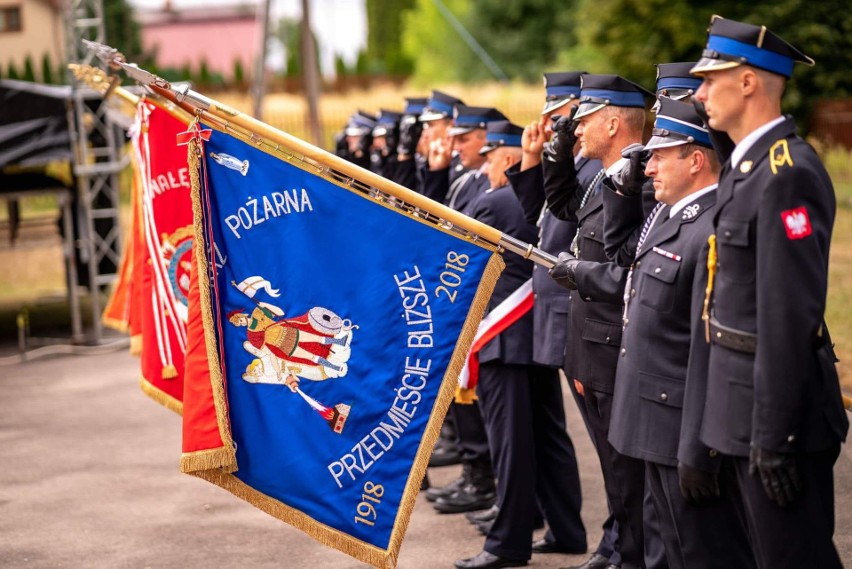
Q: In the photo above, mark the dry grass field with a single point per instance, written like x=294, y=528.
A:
x=33, y=271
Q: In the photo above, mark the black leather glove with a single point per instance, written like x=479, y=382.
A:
x=410, y=130
x=778, y=473
x=629, y=180
x=560, y=148
x=364, y=145
x=697, y=485
x=563, y=271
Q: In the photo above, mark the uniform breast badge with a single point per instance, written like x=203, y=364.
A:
x=745, y=166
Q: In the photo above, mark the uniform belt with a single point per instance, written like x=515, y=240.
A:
x=732, y=339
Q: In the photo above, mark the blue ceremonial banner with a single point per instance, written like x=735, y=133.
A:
x=337, y=320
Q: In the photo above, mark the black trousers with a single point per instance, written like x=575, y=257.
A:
x=799, y=534
x=711, y=535
x=532, y=457
x=624, y=480
x=472, y=439
x=608, y=545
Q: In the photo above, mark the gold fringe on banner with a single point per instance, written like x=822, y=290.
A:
x=220, y=476
x=228, y=451
x=160, y=396
x=210, y=459
x=136, y=345
x=115, y=324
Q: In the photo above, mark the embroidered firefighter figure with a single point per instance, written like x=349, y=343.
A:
x=314, y=346
x=691, y=211
x=177, y=256
x=796, y=222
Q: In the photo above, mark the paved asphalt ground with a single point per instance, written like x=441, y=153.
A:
x=89, y=478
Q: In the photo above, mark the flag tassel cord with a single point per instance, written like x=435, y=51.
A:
x=184, y=96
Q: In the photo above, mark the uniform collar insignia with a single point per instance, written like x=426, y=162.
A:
x=745, y=166
x=691, y=211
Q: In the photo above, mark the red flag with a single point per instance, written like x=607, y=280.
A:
x=167, y=221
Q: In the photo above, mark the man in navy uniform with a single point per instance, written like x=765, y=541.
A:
x=773, y=398
x=468, y=135
x=475, y=490
x=521, y=402
x=385, y=141
x=550, y=311
x=656, y=409
x=410, y=154
x=437, y=118
x=611, y=116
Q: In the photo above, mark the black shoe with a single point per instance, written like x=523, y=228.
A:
x=596, y=561
x=434, y=493
x=467, y=499
x=484, y=527
x=544, y=546
x=485, y=560
x=482, y=515
x=444, y=454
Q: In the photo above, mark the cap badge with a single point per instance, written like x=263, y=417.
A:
x=779, y=155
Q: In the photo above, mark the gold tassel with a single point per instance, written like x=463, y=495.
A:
x=170, y=372
x=466, y=396
x=136, y=345
x=708, y=292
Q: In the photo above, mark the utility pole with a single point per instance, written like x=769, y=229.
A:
x=258, y=82
x=310, y=72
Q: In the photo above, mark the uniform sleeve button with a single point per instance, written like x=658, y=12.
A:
x=657, y=270
x=664, y=396
x=591, y=233
x=727, y=234
x=607, y=339
x=638, y=264
x=623, y=351
x=633, y=292
x=791, y=438
x=713, y=452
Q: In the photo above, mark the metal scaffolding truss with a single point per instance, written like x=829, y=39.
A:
x=97, y=161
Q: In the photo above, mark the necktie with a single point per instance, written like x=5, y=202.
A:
x=643, y=234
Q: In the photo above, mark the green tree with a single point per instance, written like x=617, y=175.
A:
x=439, y=53
x=340, y=67
x=123, y=31
x=630, y=36
x=47, y=70
x=384, y=37
x=239, y=73
x=29, y=69
x=12, y=73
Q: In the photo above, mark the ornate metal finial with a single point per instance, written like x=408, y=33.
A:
x=144, y=77
x=108, y=55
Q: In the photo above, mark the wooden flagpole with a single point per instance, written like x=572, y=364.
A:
x=264, y=132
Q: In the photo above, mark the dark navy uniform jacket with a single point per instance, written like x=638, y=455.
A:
x=773, y=225
x=501, y=209
x=594, y=332
x=550, y=312
x=651, y=419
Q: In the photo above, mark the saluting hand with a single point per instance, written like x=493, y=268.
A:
x=439, y=154
x=532, y=143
